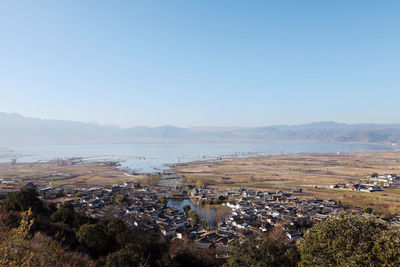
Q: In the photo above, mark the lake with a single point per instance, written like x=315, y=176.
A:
x=154, y=157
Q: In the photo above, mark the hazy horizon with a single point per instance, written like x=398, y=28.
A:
x=196, y=126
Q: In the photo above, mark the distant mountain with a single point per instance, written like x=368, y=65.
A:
x=19, y=130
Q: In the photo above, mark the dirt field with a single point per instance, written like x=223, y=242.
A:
x=44, y=173
x=305, y=171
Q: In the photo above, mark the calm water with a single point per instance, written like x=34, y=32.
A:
x=206, y=214
x=152, y=157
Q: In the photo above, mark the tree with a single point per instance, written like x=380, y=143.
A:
x=95, y=238
x=143, y=251
x=18, y=249
x=368, y=210
x=375, y=174
x=256, y=253
x=194, y=258
x=122, y=200
x=8, y=221
x=163, y=200
x=116, y=226
x=64, y=213
x=194, y=216
x=126, y=256
x=199, y=183
x=344, y=240
x=386, y=250
x=186, y=208
x=25, y=199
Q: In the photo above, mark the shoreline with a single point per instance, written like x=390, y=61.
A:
x=187, y=155
x=313, y=172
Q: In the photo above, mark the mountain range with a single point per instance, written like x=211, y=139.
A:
x=16, y=129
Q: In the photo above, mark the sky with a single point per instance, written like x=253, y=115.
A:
x=201, y=63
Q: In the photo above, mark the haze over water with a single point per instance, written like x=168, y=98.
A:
x=153, y=157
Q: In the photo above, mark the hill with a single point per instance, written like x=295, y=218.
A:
x=19, y=130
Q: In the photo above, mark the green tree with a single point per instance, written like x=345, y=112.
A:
x=256, y=253
x=193, y=257
x=368, y=210
x=126, y=256
x=345, y=240
x=25, y=199
x=143, y=251
x=386, y=250
x=122, y=200
x=186, y=208
x=194, y=216
x=95, y=238
x=19, y=249
x=64, y=213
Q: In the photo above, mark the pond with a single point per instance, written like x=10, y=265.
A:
x=206, y=214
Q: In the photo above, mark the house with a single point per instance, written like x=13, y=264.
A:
x=297, y=190
x=294, y=235
x=168, y=231
x=203, y=244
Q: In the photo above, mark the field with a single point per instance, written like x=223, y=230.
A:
x=46, y=173
x=312, y=172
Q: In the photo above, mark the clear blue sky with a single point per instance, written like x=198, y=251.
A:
x=201, y=63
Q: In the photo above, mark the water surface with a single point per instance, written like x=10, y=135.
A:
x=153, y=157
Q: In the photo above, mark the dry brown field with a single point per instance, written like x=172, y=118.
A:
x=283, y=172
x=308, y=171
x=46, y=173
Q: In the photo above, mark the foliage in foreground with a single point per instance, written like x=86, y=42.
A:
x=18, y=248
x=350, y=241
x=273, y=250
x=25, y=199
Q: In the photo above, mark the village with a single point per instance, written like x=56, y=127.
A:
x=251, y=212
x=371, y=184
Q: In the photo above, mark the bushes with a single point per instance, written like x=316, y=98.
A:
x=257, y=252
x=194, y=257
x=140, y=251
x=350, y=241
x=25, y=199
x=338, y=241
x=20, y=249
x=386, y=249
x=64, y=213
x=95, y=238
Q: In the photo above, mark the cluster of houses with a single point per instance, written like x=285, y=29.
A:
x=357, y=187
x=147, y=209
x=387, y=180
x=371, y=184
x=252, y=213
x=203, y=194
x=259, y=212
